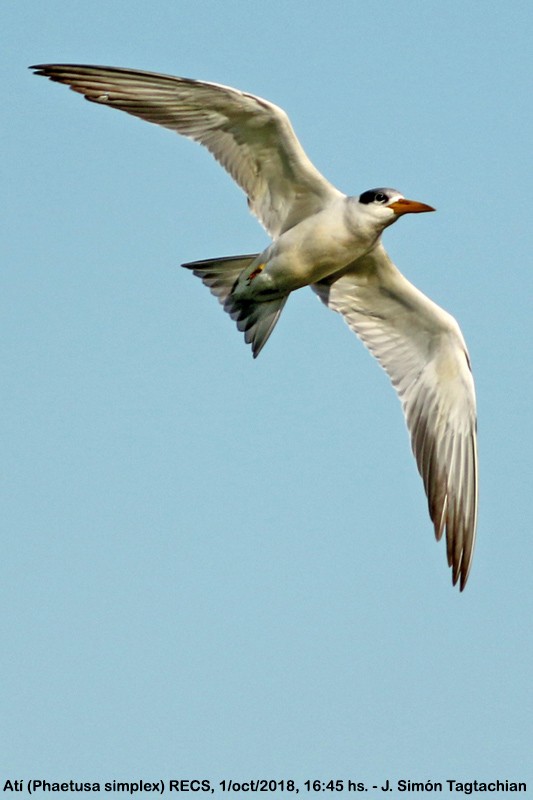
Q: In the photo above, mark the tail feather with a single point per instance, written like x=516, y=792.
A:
x=220, y=274
x=255, y=319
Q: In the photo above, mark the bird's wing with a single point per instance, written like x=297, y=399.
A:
x=423, y=351
x=252, y=138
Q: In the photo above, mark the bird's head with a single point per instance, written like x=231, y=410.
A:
x=385, y=206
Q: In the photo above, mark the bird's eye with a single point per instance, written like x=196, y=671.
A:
x=373, y=196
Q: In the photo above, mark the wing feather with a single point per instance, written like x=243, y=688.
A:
x=251, y=138
x=423, y=351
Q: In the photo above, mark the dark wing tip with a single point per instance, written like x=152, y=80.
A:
x=45, y=70
x=48, y=70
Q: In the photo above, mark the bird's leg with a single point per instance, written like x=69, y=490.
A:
x=255, y=272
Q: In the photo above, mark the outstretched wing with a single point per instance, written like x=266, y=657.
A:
x=423, y=351
x=252, y=138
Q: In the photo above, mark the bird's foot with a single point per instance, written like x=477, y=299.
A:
x=255, y=272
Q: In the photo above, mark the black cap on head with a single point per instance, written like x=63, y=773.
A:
x=374, y=196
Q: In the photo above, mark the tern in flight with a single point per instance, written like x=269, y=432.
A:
x=331, y=242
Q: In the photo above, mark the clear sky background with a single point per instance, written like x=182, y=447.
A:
x=216, y=567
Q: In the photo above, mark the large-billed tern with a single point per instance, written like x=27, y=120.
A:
x=331, y=242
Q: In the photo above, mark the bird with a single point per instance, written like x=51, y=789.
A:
x=330, y=241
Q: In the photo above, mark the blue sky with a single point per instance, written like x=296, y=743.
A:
x=223, y=568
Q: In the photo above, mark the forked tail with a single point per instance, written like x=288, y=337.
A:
x=255, y=319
